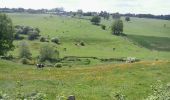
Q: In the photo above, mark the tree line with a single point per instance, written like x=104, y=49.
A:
x=80, y=12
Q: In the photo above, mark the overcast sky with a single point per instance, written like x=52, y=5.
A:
x=122, y=6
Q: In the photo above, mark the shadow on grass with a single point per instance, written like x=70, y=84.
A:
x=151, y=42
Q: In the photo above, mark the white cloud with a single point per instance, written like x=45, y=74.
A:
x=122, y=6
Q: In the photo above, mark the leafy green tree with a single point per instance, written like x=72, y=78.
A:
x=24, y=51
x=96, y=20
x=47, y=52
x=117, y=27
x=127, y=19
x=116, y=15
x=6, y=34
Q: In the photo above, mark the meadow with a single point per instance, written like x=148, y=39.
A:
x=147, y=40
x=100, y=43
x=94, y=83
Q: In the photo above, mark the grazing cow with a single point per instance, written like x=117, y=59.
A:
x=40, y=66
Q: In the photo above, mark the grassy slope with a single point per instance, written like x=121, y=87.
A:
x=99, y=43
x=96, y=83
x=91, y=83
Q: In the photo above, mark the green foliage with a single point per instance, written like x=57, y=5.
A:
x=127, y=19
x=24, y=51
x=160, y=92
x=3, y=96
x=6, y=34
x=24, y=61
x=117, y=27
x=18, y=37
x=118, y=96
x=96, y=20
x=42, y=39
x=116, y=16
x=33, y=35
x=47, y=52
x=19, y=95
x=58, y=65
x=55, y=40
x=103, y=27
x=82, y=43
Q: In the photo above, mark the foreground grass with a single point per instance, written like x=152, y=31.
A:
x=91, y=83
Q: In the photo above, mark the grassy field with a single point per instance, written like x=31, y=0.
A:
x=146, y=39
x=95, y=83
x=100, y=43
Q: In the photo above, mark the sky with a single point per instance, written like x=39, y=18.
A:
x=156, y=7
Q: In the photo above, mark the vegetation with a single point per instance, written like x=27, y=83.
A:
x=91, y=83
x=96, y=20
x=92, y=64
x=127, y=19
x=24, y=51
x=103, y=27
x=55, y=40
x=47, y=52
x=117, y=27
x=6, y=34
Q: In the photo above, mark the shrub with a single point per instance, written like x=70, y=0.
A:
x=38, y=30
x=42, y=39
x=18, y=37
x=55, y=40
x=103, y=27
x=26, y=30
x=24, y=61
x=47, y=52
x=3, y=96
x=127, y=19
x=96, y=20
x=33, y=35
x=24, y=51
x=58, y=65
x=82, y=43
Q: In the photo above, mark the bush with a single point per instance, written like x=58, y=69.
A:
x=127, y=19
x=103, y=27
x=58, y=65
x=18, y=37
x=96, y=20
x=24, y=61
x=26, y=30
x=33, y=35
x=47, y=52
x=24, y=51
x=55, y=40
x=42, y=39
x=82, y=43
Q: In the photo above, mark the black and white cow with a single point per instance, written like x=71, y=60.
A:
x=40, y=65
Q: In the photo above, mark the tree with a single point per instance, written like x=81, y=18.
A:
x=24, y=51
x=79, y=12
x=47, y=52
x=96, y=20
x=116, y=15
x=6, y=34
x=32, y=35
x=117, y=27
x=127, y=19
x=104, y=14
